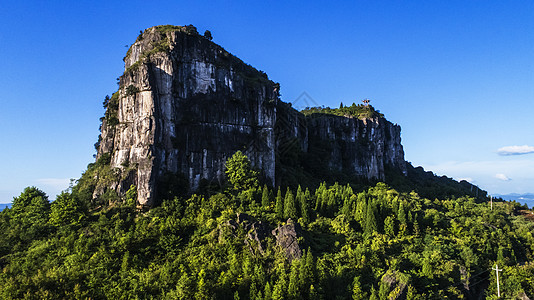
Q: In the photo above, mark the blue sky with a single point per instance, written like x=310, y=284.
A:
x=458, y=76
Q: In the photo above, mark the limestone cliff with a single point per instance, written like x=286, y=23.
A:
x=185, y=105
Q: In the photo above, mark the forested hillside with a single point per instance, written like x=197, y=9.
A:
x=248, y=241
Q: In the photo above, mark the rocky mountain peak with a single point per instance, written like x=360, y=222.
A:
x=185, y=105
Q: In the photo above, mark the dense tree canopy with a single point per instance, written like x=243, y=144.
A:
x=372, y=243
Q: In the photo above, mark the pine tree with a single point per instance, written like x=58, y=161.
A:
x=290, y=209
x=298, y=200
x=265, y=200
x=306, y=270
x=389, y=226
x=370, y=219
x=401, y=215
x=347, y=206
x=331, y=205
x=304, y=210
x=310, y=265
x=303, y=276
x=361, y=209
x=293, y=288
x=411, y=293
x=67, y=210
x=319, y=196
x=324, y=203
x=279, y=206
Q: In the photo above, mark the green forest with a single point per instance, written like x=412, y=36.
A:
x=250, y=241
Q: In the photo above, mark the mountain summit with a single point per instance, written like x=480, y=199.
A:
x=185, y=105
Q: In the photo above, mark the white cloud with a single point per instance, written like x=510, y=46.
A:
x=515, y=150
x=502, y=177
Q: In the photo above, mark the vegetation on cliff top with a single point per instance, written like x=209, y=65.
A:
x=354, y=111
x=374, y=243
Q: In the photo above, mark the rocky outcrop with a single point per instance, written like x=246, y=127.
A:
x=256, y=232
x=185, y=105
x=287, y=238
x=396, y=283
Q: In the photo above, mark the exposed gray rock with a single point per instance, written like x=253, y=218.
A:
x=287, y=238
x=185, y=105
x=396, y=283
x=256, y=232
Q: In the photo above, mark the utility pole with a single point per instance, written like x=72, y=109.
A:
x=491, y=202
x=497, y=271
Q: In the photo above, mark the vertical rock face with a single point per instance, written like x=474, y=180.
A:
x=185, y=105
x=358, y=147
x=341, y=144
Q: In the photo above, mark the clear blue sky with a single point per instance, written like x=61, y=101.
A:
x=458, y=76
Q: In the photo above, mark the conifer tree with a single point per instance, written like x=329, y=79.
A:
x=299, y=194
x=319, y=196
x=279, y=206
x=389, y=226
x=361, y=209
x=401, y=215
x=304, y=210
x=290, y=209
x=202, y=290
x=280, y=288
x=293, y=288
x=265, y=200
x=347, y=207
x=31, y=211
x=306, y=270
x=331, y=205
x=370, y=219
x=324, y=201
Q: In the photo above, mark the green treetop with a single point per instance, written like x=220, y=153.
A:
x=240, y=173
